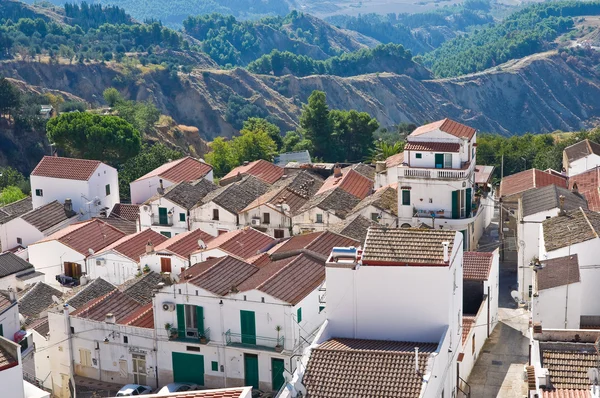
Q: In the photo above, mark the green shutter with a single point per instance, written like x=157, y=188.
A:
x=405, y=197
x=248, y=327
x=455, y=206
x=181, y=216
x=277, y=368
x=439, y=160
x=251, y=370
x=299, y=314
x=181, y=320
x=468, y=204
x=214, y=366
x=188, y=368
x=163, y=217
x=200, y=320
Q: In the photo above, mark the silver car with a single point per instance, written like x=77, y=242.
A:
x=131, y=390
x=177, y=387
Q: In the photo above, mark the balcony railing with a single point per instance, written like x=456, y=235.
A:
x=156, y=220
x=443, y=174
x=256, y=342
x=191, y=336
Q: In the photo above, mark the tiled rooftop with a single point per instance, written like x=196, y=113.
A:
x=116, y=302
x=184, y=169
x=483, y=174
x=141, y=318
x=123, y=225
x=576, y=226
x=10, y=264
x=140, y=288
x=6, y=358
x=395, y=160
x=47, y=216
x=407, y=246
x=262, y=169
x=477, y=266
x=588, y=184
x=350, y=181
x=336, y=201
x=317, y=242
x=354, y=227
x=14, y=210
x=236, y=196
x=384, y=199
x=84, y=294
x=447, y=126
x=558, y=272
x=126, y=211
x=185, y=194
x=242, y=392
x=242, y=243
x=568, y=364
x=5, y=303
x=134, y=246
x=37, y=299
x=467, y=324
x=432, y=146
x=528, y=179
x=218, y=276
x=366, y=368
x=67, y=168
x=548, y=198
x=581, y=149
x=185, y=243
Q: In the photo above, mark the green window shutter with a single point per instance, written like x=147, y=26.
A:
x=181, y=320
x=107, y=189
x=405, y=197
x=181, y=216
x=299, y=315
x=455, y=205
x=214, y=365
x=439, y=160
x=468, y=204
x=419, y=155
x=1, y=331
x=200, y=320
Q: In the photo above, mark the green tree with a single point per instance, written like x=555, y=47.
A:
x=11, y=194
x=112, y=96
x=11, y=177
x=294, y=142
x=259, y=124
x=10, y=97
x=220, y=156
x=353, y=134
x=383, y=150
x=253, y=145
x=84, y=135
x=316, y=124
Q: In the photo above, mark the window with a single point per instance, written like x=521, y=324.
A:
x=299, y=315
x=405, y=197
x=319, y=218
x=375, y=217
x=461, y=202
x=165, y=233
x=447, y=160
x=125, y=340
x=107, y=189
x=20, y=241
x=182, y=217
x=321, y=308
x=192, y=348
x=190, y=317
x=214, y=365
x=278, y=233
x=39, y=192
x=530, y=291
x=85, y=357
x=215, y=214
x=266, y=218
x=473, y=345
x=419, y=155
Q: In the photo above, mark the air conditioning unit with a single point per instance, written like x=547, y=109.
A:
x=100, y=262
x=169, y=307
x=255, y=221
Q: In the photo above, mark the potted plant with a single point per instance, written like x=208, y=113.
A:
x=146, y=269
x=203, y=339
x=278, y=347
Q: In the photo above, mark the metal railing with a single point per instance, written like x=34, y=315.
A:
x=466, y=386
x=444, y=174
x=156, y=220
x=191, y=335
x=258, y=342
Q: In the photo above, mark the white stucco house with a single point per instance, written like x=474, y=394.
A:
x=16, y=273
x=120, y=261
x=9, y=314
x=7, y=214
x=169, y=213
x=580, y=157
x=37, y=224
x=92, y=186
x=186, y=169
x=11, y=373
x=380, y=207
x=64, y=254
x=217, y=213
x=414, y=274
x=535, y=206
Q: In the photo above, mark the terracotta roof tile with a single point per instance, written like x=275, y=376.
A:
x=588, y=184
x=123, y=225
x=568, y=364
x=262, y=169
x=532, y=178
x=180, y=170
x=185, y=243
x=134, y=246
x=140, y=288
x=6, y=359
x=574, y=227
x=406, y=246
x=126, y=211
x=47, y=216
x=350, y=181
x=432, y=146
x=467, y=324
x=220, y=276
x=395, y=160
x=385, y=199
x=561, y=393
x=337, y=369
x=242, y=243
x=142, y=318
x=483, y=174
x=556, y=272
x=581, y=150
x=477, y=266
x=5, y=303
x=318, y=242
x=354, y=227
x=447, y=126
x=116, y=302
x=220, y=393
x=67, y=168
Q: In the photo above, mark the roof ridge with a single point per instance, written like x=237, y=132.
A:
x=219, y=261
x=588, y=221
x=280, y=270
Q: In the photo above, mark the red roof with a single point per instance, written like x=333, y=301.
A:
x=240, y=392
x=318, y=242
x=447, y=126
x=477, y=266
x=525, y=180
x=93, y=234
x=262, y=169
x=395, y=160
x=588, y=184
x=116, y=302
x=221, y=275
x=133, y=246
x=351, y=181
x=141, y=318
x=126, y=211
x=180, y=170
x=563, y=393
x=243, y=243
x=185, y=244
x=432, y=146
x=467, y=324
x=68, y=168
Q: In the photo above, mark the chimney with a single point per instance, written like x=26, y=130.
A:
x=575, y=188
x=110, y=318
x=337, y=171
x=380, y=166
x=12, y=295
x=446, y=255
x=561, y=204
x=149, y=247
x=69, y=207
x=417, y=360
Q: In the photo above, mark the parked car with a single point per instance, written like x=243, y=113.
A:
x=177, y=387
x=131, y=390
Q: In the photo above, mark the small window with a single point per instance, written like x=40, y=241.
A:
x=447, y=160
x=20, y=241
x=215, y=214
x=125, y=340
x=244, y=297
x=319, y=218
x=278, y=233
x=182, y=217
x=72, y=330
x=107, y=189
x=418, y=155
x=375, y=217
x=214, y=365
x=266, y=218
x=39, y=192
x=473, y=345
x=530, y=291
x=405, y=197
x=85, y=357
x=165, y=233
x=321, y=308
x=262, y=299
x=299, y=315
x=192, y=348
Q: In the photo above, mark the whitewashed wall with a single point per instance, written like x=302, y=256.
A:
x=306, y=222
x=202, y=218
x=552, y=306
x=49, y=257
x=149, y=217
x=114, y=267
x=143, y=190
x=277, y=220
x=581, y=165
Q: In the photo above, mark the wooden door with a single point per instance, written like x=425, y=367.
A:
x=165, y=264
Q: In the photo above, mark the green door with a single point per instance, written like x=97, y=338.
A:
x=251, y=370
x=163, y=219
x=277, y=368
x=248, y=327
x=439, y=160
x=188, y=368
x=200, y=320
x=468, y=203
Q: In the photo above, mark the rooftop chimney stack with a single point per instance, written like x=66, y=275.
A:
x=446, y=255
x=337, y=171
x=161, y=188
x=561, y=203
x=149, y=247
x=12, y=295
x=110, y=318
x=69, y=207
x=575, y=188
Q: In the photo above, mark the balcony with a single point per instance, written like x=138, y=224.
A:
x=162, y=221
x=443, y=174
x=191, y=336
x=254, y=342
x=447, y=214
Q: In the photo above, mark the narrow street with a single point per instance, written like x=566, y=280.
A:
x=498, y=371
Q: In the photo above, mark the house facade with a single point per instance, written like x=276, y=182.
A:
x=581, y=157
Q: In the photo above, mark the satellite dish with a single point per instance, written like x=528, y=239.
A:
x=56, y=300
x=91, y=251
x=201, y=244
x=285, y=207
x=515, y=295
x=593, y=375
